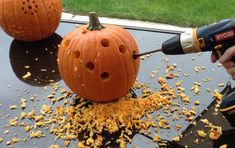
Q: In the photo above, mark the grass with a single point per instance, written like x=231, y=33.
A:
x=178, y=12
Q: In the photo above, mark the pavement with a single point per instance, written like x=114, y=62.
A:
x=125, y=22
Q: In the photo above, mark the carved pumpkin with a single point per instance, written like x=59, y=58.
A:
x=96, y=61
x=30, y=20
x=37, y=58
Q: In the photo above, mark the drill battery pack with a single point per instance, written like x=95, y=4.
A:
x=227, y=106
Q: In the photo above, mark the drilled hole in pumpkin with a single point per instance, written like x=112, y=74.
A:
x=30, y=7
x=90, y=66
x=25, y=12
x=36, y=6
x=76, y=54
x=104, y=76
x=31, y=13
x=105, y=42
x=122, y=49
x=133, y=54
x=23, y=3
x=27, y=0
x=33, y=2
x=22, y=8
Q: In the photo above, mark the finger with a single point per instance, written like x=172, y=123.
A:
x=228, y=65
x=231, y=71
x=227, y=56
x=213, y=58
x=233, y=77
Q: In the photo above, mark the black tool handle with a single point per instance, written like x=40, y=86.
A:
x=217, y=37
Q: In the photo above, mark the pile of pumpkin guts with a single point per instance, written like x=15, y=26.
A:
x=88, y=121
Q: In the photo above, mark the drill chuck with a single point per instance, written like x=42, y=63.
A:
x=180, y=44
x=172, y=46
x=217, y=37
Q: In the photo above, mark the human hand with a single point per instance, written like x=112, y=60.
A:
x=213, y=57
x=226, y=61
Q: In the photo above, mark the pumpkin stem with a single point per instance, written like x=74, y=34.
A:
x=94, y=22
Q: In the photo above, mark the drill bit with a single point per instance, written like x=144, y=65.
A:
x=136, y=55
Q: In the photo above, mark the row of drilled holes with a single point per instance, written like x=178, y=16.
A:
x=77, y=53
x=91, y=66
x=52, y=9
x=104, y=43
x=36, y=6
x=29, y=7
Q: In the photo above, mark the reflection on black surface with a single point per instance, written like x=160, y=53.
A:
x=38, y=59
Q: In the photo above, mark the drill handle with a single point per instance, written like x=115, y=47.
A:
x=218, y=54
x=217, y=37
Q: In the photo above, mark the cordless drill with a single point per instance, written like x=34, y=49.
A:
x=217, y=37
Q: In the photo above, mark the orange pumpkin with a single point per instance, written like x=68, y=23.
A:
x=96, y=61
x=30, y=20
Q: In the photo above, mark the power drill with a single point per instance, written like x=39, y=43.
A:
x=217, y=37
